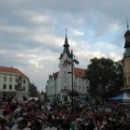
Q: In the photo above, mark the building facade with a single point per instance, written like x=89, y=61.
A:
x=13, y=83
x=126, y=61
x=68, y=79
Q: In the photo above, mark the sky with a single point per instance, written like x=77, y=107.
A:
x=32, y=33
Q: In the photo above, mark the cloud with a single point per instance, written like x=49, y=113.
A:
x=77, y=32
x=40, y=19
x=14, y=30
x=32, y=33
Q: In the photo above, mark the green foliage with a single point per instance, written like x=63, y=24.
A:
x=33, y=90
x=105, y=77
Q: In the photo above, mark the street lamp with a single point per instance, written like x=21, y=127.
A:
x=73, y=60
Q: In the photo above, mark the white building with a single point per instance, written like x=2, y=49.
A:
x=13, y=82
x=60, y=84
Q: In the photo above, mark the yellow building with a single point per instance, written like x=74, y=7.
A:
x=126, y=61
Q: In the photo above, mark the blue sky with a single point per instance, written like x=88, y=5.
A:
x=32, y=33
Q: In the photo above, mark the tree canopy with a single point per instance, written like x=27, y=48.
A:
x=33, y=90
x=105, y=77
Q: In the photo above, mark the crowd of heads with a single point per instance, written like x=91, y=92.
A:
x=57, y=115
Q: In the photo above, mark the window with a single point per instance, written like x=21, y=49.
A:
x=10, y=86
x=16, y=80
x=19, y=85
x=24, y=81
x=24, y=88
x=10, y=79
x=4, y=86
x=15, y=86
x=5, y=79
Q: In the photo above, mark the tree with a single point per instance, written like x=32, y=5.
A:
x=33, y=90
x=105, y=77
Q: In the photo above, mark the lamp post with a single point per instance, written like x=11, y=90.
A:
x=72, y=80
x=72, y=85
x=55, y=90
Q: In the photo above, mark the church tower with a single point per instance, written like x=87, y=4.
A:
x=126, y=61
x=65, y=66
x=68, y=79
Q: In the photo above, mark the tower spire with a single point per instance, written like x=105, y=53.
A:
x=127, y=23
x=127, y=36
x=66, y=32
x=66, y=39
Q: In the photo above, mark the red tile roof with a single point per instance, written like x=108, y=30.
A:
x=10, y=70
x=79, y=72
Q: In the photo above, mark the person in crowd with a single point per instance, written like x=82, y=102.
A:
x=34, y=115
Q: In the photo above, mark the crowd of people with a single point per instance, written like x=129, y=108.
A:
x=36, y=115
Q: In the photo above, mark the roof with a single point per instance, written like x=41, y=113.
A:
x=127, y=39
x=66, y=48
x=79, y=72
x=11, y=70
x=127, y=33
x=66, y=42
x=122, y=96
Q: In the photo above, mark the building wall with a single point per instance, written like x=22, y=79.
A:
x=8, y=83
x=64, y=77
x=58, y=85
x=79, y=84
x=127, y=72
x=64, y=81
x=50, y=85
